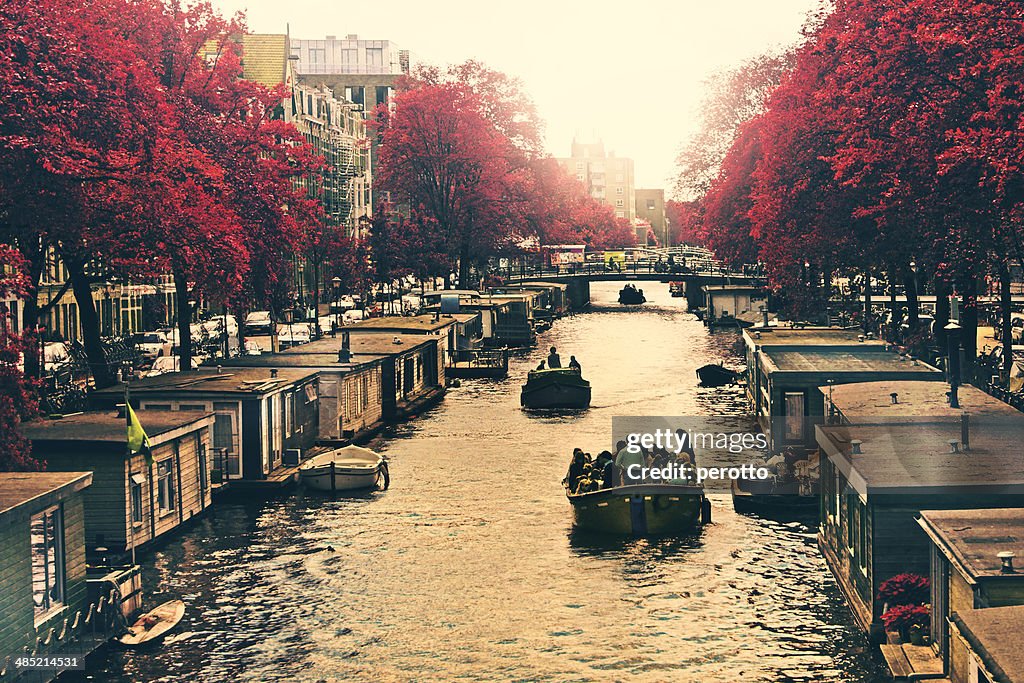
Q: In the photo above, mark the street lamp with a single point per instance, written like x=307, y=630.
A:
x=336, y=282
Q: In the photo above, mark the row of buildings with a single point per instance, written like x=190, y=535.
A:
x=918, y=475
x=611, y=180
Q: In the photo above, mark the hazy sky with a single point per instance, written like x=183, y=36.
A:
x=631, y=72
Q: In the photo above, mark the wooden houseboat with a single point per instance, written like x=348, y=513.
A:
x=132, y=502
x=990, y=639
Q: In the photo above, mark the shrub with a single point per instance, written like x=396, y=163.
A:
x=905, y=589
x=902, y=617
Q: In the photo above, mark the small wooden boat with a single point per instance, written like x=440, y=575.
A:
x=555, y=388
x=154, y=624
x=770, y=498
x=641, y=509
x=344, y=469
x=716, y=375
x=631, y=297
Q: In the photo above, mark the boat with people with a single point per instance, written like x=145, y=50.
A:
x=154, y=624
x=345, y=469
x=555, y=388
x=631, y=296
x=713, y=375
x=792, y=488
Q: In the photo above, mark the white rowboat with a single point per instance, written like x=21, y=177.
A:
x=344, y=469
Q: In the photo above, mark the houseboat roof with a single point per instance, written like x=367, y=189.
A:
x=470, y=293
x=827, y=361
x=539, y=283
x=410, y=324
x=110, y=427
x=918, y=458
x=34, y=491
x=718, y=289
x=915, y=399
x=257, y=380
x=323, y=361
x=807, y=336
x=993, y=634
x=362, y=344
x=972, y=539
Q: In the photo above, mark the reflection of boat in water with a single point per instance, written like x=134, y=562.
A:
x=630, y=296
x=793, y=487
x=155, y=624
x=344, y=469
x=716, y=375
x=555, y=388
x=641, y=509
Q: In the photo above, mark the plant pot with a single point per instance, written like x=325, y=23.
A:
x=917, y=638
x=893, y=637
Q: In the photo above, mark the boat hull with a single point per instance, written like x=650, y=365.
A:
x=555, y=389
x=715, y=376
x=774, y=500
x=320, y=479
x=641, y=510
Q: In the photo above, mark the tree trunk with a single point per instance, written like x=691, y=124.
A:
x=102, y=375
x=184, y=321
x=867, y=301
x=969, y=325
x=1006, y=331
x=913, y=304
x=894, y=323
x=941, y=311
x=464, y=267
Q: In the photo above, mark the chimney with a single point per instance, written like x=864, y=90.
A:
x=273, y=373
x=965, y=430
x=894, y=397
x=345, y=340
x=954, y=446
x=855, y=447
x=344, y=355
x=764, y=316
x=1006, y=558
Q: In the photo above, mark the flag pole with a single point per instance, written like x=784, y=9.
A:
x=131, y=498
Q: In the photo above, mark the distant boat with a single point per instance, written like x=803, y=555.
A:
x=641, y=509
x=154, y=624
x=345, y=469
x=677, y=288
x=555, y=388
x=631, y=297
x=716, y=375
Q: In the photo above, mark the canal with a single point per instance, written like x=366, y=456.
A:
x=468, y=568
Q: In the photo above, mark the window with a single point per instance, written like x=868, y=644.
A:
x=165, y=485
x=620, y=214
x=365, y=397
x=650, y=205
x=349, y=55
x=619, y=202
x=203, y=473
x=157, y=406
x=579, y=165
x=288, y=401
x=375, y=56
x=620, y=178
x=192, y=406
x=47, y=538
x=136, y=491
x=618, y=190
x=580, y=177
x=794, y=407
x=317, y=55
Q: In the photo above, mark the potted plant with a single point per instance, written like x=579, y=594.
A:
x=905, y=589
x=902, y=619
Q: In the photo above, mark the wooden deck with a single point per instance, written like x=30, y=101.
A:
x=280, y=479
x=907, y=661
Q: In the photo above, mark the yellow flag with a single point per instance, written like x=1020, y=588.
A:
x=138, y=441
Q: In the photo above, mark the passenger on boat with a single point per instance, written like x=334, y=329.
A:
x=623, y=459
x=605, y=465
x=687, y=446
x=575, y=364
x=553, y=360
x=541, y=366
x=576, y=468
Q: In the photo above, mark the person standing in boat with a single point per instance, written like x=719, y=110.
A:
x=575, y=365
x=553, y=360
x=623, y=459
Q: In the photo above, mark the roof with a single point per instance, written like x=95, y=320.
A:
x=209, y=380
x=726, y=289
x=993, y=633
x=974, y=538
x=412, y=324
x=35, y=491
x=107, y=426
x=322, y=362
x=916, y=399
x=362, y=344
x=808, y=336
x=265, y=58
x=837, y=360
x=915, y=457
x=541, y=283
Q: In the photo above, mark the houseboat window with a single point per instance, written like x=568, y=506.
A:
x=47, y=560
x=223, y=432
x=165, y=484
x=192, y=406
x=289, y=398
x=310, y=392
x=203, y=483
x=157, y=406
x=794, y=406
x=364, y=398
x=137, y=481
x=862, y=535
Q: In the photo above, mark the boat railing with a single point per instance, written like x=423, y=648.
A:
x=479, y=358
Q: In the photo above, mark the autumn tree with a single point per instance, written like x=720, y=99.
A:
x=17, y=399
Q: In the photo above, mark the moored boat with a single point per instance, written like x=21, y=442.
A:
x=154, y=625
x=345, y=469
x=555, y=388
x=641, y=509
x=630, y=296
x=773, y=499
x=716, y=375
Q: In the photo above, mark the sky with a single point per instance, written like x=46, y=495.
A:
x=629, y=72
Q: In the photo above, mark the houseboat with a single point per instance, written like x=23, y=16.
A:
x=555, y=388
x=132, y=500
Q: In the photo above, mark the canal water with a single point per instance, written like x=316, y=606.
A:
x=468, y=569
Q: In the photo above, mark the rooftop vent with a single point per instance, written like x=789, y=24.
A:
x=273, y=373
x=344, y=355
x=1006, y=558
x=396, y=340
x=894, y=397
x=860, y=337
x=757, y=335
x=954, y=446
x=855, y=447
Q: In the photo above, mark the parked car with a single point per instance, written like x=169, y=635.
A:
x=258, y=323
x=294, y=334
x=168, y=364
x=153, y=344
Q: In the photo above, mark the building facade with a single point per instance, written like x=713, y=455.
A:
x=607, y=178
x=650, y=206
